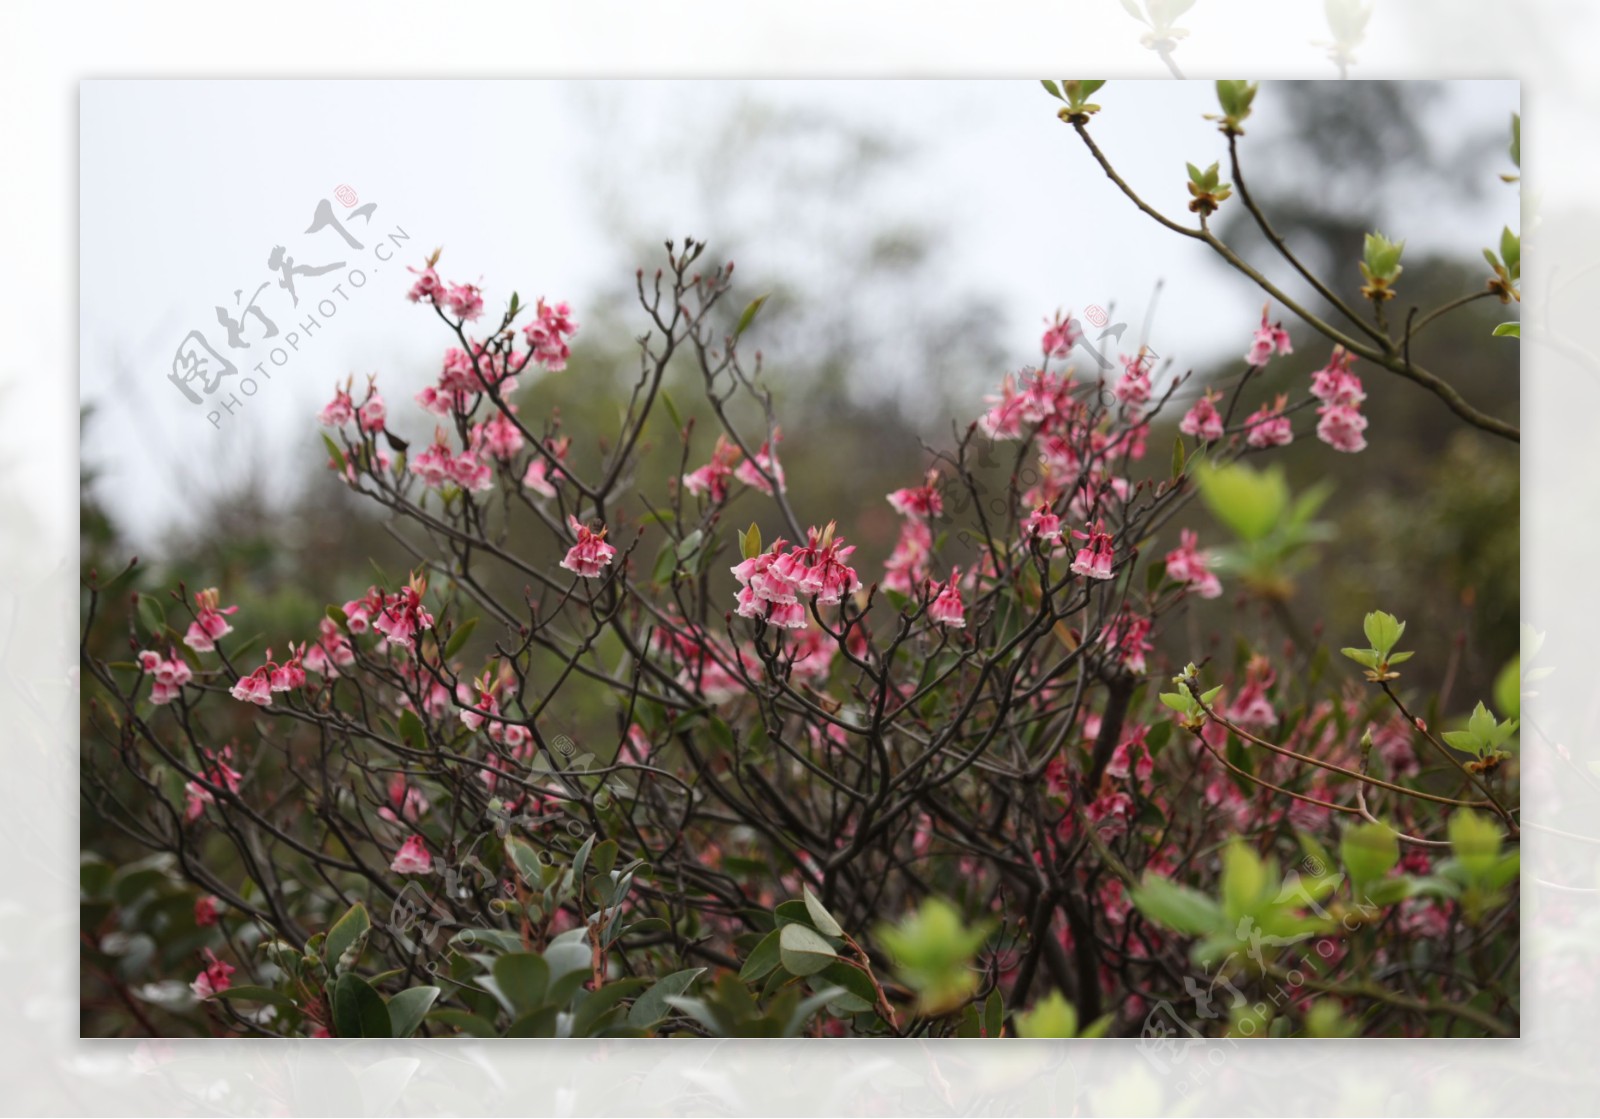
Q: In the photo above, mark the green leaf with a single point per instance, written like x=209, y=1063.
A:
x=596, y=1004
x=459, y=637
x=651, y=1007
x=672, y=409
x=1177, y=907
x=1177, y=457
x=803, y=951
x=526, y=859
x=539, y=1023
x=994, y=1014
x=1475, y=841
x=763, y=958
x=248, y=993
x=750, y=541
x=353, y=926
x=334, y=452
x=406, y=1010
x=358, y=1010
x=1244, y=880
x=1052, y=89
x=1383, y=630
x=750, y=313
x=523, y=978
x=1508, y=330
x=1051, y=1016
x=1249, y=502
x=151, y=616
x=821, y=919
x=1369, y=851
x=1367, y=657
x=412, y=730
x=1464, y=740
x=1508, y=689
x=466, y=1022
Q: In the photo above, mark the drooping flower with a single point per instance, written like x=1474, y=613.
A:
x=907, y=565
x=541, y=476
x=1267, y=426
x=818, y=568
x=171, y=673
x=1187, y=564
x=1042, y=525
x=403, y=616
x=1268, y=339
x=1132, y=389
x=765, y=461
x=210, y=622
x=255, y=688
x=1060, y=335
x=1129, y=635
x=768, y=593
x=373, y=412
x=206, y=910
x=547, y=335
x=428, y=287
x=1341, y=428
x=412, y=858
x=712, y=478
x=214, y=977
x=919, y=501
x=947, y=609
x=338, y=411
x=590, y=553
x=1095, y=559
x=1203, y=420
x=465, y=301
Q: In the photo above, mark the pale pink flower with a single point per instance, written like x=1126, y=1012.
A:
x=1341, y=428
x=764, y=461
x=1334, y=383
x=403, y=616
x=541, y=477
x=255, y=688
x=171, y=673
x=947, y=609
x=373, y=412
x=907, y=566
x=470, y=473
x=712, y=478
x=427, y=288
x=1186, y=564
x=210, y=622
x=465, y=301
x=1129, y=635
x=499, y=435
x=1133, y=388
x=412, y=858
x=338, y=411
x=547, y=335
x=590, y=553
x=1203, y=420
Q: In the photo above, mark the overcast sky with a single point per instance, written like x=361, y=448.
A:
x=187, y=187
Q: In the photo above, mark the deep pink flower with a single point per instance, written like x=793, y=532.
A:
x=412, y=858
x=255, y=688
x=1060, y=335
x=1269, y=338
x=403, y=616
x=215, y=976
x=1267, y=426
x=428, y=286
x=498, y=435
x=1042, y=525
x=171, y=673
x=1096, y=558
x=818, y=568
x=920, y=501
x=590, y=553
x=206, y=910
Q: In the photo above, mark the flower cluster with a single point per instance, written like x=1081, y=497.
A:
x=1187, y=564
x=211, y=622
x=590, y=553
x=1268, y=339
x=774, y=582
x=1340, y=391
x=172, y=672
x=1267, y=426
x=1203, y=420
x=1094, y=560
